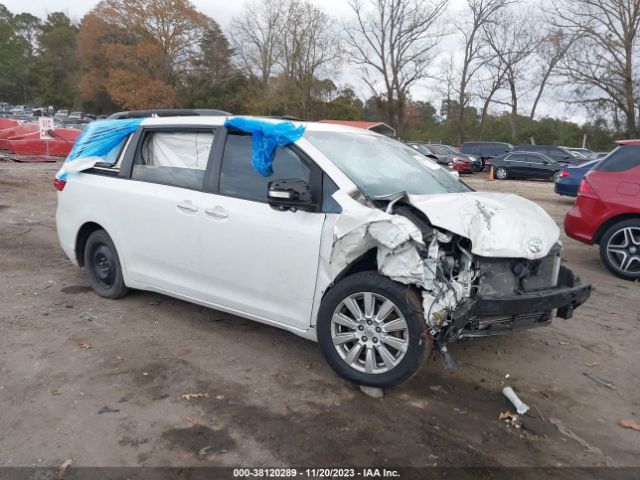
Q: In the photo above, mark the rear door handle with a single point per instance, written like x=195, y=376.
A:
x=187, y=207
x=216, y=212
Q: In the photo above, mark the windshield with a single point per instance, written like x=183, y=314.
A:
x=449, y=149
x=381, y=166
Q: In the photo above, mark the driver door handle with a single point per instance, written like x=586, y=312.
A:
x=216, y=212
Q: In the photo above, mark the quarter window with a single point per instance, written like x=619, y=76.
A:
x=173, y=158
x=239, y=178
x=621, y=159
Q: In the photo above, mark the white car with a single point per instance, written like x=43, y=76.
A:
x=351, y=241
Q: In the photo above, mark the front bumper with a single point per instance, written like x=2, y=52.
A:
x=495, y=315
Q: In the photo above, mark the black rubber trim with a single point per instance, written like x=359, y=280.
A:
x=570, y=294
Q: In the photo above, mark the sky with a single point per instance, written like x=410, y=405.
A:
x=223, y=11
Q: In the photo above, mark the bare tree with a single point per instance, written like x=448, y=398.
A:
x=308, y=46
x=394, y=40
x=482, y=13
x=488, y=87
x=255, y=37
x=602, y=64
x=513, y=40
x=551, y=50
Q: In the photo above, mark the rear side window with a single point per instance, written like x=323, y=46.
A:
x=517, y=157
x=621, y=159
x=238, y=177
x=173, y=158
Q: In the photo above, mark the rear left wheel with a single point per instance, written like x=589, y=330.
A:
x=371, y=330
x=103, y=266
x=620, y=249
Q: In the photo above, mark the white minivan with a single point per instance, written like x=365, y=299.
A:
x=353, y=240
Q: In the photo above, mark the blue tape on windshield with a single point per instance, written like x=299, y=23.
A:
x=99, y=139
x=267, y=136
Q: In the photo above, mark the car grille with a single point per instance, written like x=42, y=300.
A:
x=506, y=276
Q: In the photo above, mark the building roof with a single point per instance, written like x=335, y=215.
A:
x=378, y=127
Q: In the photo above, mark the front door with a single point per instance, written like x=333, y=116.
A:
x=258, y=260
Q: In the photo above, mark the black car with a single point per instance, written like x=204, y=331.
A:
x=524, y=165
x=443, y=158
x=560, y=154
x=485, y=150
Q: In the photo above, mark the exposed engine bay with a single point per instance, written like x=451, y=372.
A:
x=464, y=295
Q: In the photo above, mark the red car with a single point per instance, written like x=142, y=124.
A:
x=607, y=210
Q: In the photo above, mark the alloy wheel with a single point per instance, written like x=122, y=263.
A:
x=623, y=250
x=369, y=332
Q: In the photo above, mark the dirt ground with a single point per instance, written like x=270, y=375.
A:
x=101, y=382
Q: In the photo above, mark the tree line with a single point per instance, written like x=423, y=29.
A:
x=283, y=57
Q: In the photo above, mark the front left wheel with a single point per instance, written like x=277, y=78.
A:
x=103, y=266
x=372, y=331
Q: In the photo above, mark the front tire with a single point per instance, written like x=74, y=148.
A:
x=371, y=330
x=103, y=266
x=620, y=249
x=502, y=173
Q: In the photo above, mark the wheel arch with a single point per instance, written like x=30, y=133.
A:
x=81, y=239
x=610, y=222
x=366, y=262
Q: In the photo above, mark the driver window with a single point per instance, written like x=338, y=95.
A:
x=239, y=179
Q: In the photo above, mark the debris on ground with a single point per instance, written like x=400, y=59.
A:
x=85, y=345
x=521, y=407
x=63, y=468
x=372, y=392
x=189, y=396
x=107, y=409
x=601, y=381
x=592, y=365
x=511, y=419
x=628, y=423
x=55, y=392
x=568, y=433
x=181, y=352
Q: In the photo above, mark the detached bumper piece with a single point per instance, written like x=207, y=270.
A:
x=495, y=315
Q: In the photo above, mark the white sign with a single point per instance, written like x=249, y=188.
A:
x=46, y=124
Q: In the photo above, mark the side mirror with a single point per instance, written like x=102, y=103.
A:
x=545, y=162
x=289, y=194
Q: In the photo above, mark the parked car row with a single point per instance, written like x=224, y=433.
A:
x=448, y=156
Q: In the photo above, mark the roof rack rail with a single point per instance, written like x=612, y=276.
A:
x=169, y=112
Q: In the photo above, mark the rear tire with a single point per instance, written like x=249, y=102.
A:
x=620, y=249
x=380, y=337
x=502, y=173
x=103, y=266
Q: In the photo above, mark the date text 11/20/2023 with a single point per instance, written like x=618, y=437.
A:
x=315, y=473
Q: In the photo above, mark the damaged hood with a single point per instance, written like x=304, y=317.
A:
x=498, y=224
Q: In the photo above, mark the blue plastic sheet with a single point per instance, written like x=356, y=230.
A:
x=267, y=136
x=100, y=139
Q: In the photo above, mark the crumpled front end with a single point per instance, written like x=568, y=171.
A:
x=483, y=275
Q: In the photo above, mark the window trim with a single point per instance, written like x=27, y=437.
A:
x=212, y=181
x=126, y=170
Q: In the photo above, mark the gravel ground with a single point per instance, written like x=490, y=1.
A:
x=102, y=382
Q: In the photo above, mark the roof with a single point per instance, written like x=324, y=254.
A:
x=628, y=142
x=220, y=120
x=378, y=127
